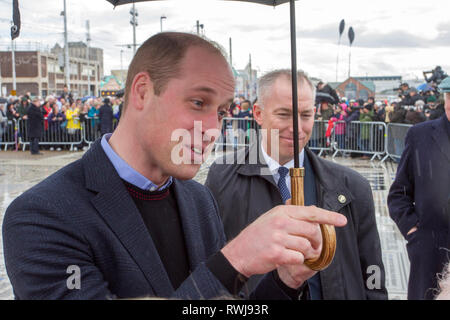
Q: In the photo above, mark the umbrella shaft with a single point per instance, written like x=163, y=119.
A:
x=294, y=84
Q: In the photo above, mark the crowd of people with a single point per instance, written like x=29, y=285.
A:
x=58, y=117
x=411, y=107
x=63, y=115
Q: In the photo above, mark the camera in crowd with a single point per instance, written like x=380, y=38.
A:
x=437, y=75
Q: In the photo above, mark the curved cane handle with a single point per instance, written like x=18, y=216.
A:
x=328, y=232
x=328, y=249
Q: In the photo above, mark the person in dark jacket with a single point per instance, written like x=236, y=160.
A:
x=55, y=120
x=106, y=116
x=415, y=114
x=352, y=129
x=398, y=115
x=419, y=201
x=435, y=110
x=412, y=97
x=67, y=95
x=326, y=88
x=11, y=112
x=244, y=191
x=35, y=125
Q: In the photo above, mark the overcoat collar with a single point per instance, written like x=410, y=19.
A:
x=330, y=183
x=440, y=136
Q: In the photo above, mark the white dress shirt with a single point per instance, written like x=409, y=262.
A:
x=274, y=165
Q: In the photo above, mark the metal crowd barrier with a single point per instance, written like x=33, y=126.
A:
x=8, y=133
x=319, y=141
x=92, y=129
x=54, y=134
x=367, y=138
x=395, y=140
x=370, y=138
x=237, y=133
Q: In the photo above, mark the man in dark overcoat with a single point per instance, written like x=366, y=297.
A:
x=106, y=117
x=35, y=125
x=419, y=200
x=259, y=180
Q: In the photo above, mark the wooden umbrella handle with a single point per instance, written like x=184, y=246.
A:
x=328, y=232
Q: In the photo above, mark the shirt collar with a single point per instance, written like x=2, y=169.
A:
x=126, y=172
x=274, y=165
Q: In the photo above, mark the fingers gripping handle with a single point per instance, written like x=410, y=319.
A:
x=328, y=232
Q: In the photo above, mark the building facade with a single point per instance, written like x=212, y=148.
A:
x=356, y=89
x=41, y=72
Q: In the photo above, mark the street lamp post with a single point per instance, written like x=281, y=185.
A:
x=198, y=25
x=134, y=23
x=13, y=58
x=66, y=49
x=160, y=21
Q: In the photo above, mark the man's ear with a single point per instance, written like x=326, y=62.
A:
x=141, y=90
x=257, y=110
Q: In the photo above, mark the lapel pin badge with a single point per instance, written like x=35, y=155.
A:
x=342, y=198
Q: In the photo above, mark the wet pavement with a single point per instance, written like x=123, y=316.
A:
x=19, y=171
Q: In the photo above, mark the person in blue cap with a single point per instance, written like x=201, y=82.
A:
x=419, y=200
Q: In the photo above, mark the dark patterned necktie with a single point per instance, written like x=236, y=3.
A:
x=282, y=186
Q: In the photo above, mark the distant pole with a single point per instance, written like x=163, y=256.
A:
x=250, y=81
x=341, y=30
x=88, y=40
x=198, y=27
x=121, y=65
x=15, y=31
x=66, y=50
x=121, y=61
x=160, y=21
x=134, y=23
x=349, y=61
x=13, y=65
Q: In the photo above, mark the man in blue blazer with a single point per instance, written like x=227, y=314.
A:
x=419, y=200
x=129, y=222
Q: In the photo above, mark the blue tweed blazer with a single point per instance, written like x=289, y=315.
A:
x=83, y=219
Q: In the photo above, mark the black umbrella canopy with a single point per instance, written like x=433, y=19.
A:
x=267, y=2
x=293, y=59
x=322, y=96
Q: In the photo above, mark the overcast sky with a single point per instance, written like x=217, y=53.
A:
x=398, y=37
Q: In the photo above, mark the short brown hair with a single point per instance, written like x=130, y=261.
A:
x=161, y=55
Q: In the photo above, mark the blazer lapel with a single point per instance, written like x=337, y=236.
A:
x=441, y=137
x=117, y=208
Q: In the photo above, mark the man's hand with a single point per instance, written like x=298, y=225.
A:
x=294, y=275
x=282, y=237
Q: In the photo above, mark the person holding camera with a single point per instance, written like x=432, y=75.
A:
x=415, y=113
